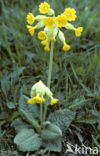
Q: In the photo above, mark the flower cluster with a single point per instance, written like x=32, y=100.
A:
x=38, y=91
x=52, y=24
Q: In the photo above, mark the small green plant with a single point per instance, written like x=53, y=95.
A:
x=37, y=130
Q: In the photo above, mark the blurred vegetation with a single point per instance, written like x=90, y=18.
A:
x=75, y=76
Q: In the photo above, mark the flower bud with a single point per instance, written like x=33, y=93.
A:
x=40, y=17
x=70, y=26
x=49, y=33
x=61, y=36
x=51, y=12
x=39, y=25
x=41, y=89
x=55, y=31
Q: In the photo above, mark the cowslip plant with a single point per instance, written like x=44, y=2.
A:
x=42, y=130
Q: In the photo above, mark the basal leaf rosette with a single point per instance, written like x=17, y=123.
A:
x=52, y=25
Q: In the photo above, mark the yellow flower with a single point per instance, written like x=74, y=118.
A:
x=45, y=42
x=30, y=29
x=53, y=39
x=49, y=22
x=36, y=99
x=30, y=18
x=42, y=99
x=31, y=101
x=42, y=35
x=39, y=99
x=61, y=21
x=53, y=101
x=47, y=48
x=78, y=31
x=44, y=7
x=70, y=14
x=66, y=47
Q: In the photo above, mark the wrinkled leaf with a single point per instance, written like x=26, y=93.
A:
x=51, y=131
x=11, y=105
x=19, y=124
x=62, y=118
x=54, y=145
x=27, y=140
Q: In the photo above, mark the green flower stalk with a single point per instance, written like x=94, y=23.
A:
x=49, y=78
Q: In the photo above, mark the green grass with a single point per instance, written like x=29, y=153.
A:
x=75, y=76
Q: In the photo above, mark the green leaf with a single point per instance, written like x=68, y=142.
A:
x=12, y=117
x=5, y=86
x=31, y=110
x=79, y=136
x=31, y=120
x=62, y=118
x=98, y=127
x=96, y=142
x=50, y=131
x=2, y=122
x=3, y=115
x=54, y=145
x=17, y=72
x=90, y=117
x=11, y=105
x=88, y=120
x=19, y=124
x=78, y=103
x=27, y=140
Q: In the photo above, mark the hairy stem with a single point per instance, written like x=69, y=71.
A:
x=49, y=77
x=50, y=64
x=41, y=112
